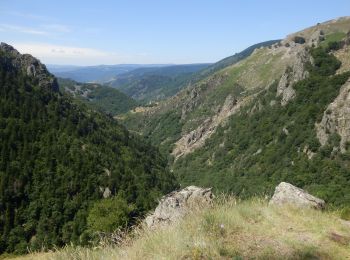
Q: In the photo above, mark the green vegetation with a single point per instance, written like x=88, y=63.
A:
x=256, y=153
x=109, y=214
x=333, y=37
x=299, y=39
x=229, y=61
x=100, y=97
x=230, y=229
x=153, y=84
x=56, y=159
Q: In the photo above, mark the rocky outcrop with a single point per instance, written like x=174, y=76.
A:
x=190, y=103
x=336, y=119
x=315, y=38
x=296, y=71
x=30, y=66
x=196, y=138
x=287, y=194
x=177, y=204
x=194, y=93
x=298, y=55
x=310, y=154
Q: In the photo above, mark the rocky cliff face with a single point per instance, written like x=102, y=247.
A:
x=196, y=138
x=295, y=50
x=336, y=119
x=294, y=72
x=31, y=66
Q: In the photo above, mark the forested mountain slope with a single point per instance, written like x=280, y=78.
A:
x=272, y=116
x=101, y=97
x=156, y=83
x=58, y=160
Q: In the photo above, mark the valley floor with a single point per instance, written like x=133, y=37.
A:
x=231, y=229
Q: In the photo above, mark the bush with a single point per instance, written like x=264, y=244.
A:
x=107, y=215
x=334, y=46
x=345, y=213
x=299, y=39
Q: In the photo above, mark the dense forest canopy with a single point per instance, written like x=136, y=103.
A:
x=59, y=158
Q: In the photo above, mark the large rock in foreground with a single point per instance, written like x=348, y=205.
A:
x=176, y=204
x=286, y=193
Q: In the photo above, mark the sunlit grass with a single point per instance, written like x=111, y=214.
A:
x=231, y=229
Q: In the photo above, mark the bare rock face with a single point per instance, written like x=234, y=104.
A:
x=296, y=72
x=176, y=204
x=336, y=119
x=197, y=137
x=197, y=92
x=31, y=66
x=315, y=38
x=286, y=193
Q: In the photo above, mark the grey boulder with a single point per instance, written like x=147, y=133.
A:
x=286, y=193
x=177, y=204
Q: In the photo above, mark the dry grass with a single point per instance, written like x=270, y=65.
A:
x=232, y=230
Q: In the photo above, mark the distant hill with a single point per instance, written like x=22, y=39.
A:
x=59, y=160
x=97, y=74
x=107, y=99
x=156, y=83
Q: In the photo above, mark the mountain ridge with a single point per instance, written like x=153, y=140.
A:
x=59, y=160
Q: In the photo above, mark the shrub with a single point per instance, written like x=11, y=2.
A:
x=107, y=215
x=299, y=39
x=345, y=213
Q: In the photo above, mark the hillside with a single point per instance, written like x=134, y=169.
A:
x=231, y=229
x=101, y=97
x=228, y=61
x=156, y=83
x=61, y=162
x=279, y=114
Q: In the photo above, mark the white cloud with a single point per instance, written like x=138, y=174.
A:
x=57, y=54
x=27, y=15
x=21, y=29
x=57, y=28
x=45, y=29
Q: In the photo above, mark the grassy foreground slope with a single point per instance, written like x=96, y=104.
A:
x=231, y=229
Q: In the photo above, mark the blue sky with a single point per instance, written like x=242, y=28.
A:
x=153, y=31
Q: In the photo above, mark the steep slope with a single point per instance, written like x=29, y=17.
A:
x=252, y=124
x=104, y=98
x=193, y=106
x=232, y=59
x=58, y=159
x=152, y=84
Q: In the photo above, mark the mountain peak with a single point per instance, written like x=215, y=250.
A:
x=29, y=65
